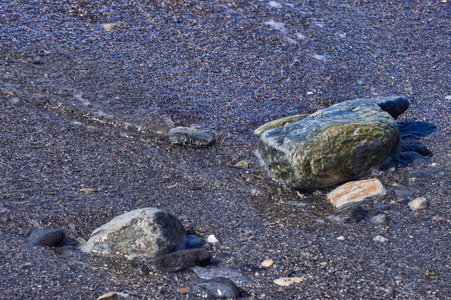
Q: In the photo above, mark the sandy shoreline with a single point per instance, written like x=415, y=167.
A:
x=68, y=87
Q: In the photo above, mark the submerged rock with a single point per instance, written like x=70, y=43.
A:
x=190, y=137
x=46, y=237
x=142, y=233
x=355, y=191
x=334, y=144
x=216, y=288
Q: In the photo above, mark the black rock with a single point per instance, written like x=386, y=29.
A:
x=216, y=288
x=182, y=259
x=46, y=237
x=350, y=214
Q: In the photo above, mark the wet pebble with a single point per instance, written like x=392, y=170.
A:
x=212, y=239
x=182, y=259
x=267, y=263
x=216, y=288
x=46, y=237
x=355, y=191
x=190, y=137
x=380, y=219
x=242, y=164
x=380, y=238
x=286, y=281
x=418, y=203
x=351, y=214
x=110, y=296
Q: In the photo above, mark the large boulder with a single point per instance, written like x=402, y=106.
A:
x=333, y=144
x=141, y=233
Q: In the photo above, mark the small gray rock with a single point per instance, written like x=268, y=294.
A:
x=182, y=259
x=380, y=219
x=190, y=137
x=46, y=237
x=216, y=288
x=418, y=203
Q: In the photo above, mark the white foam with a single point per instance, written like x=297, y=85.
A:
x=276, y=25
x=79, y=97
x=275, y=4
x=319, y=57
x=292, y=41
x=300, y=36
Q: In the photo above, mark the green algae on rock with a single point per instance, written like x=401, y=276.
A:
x=279, y=123
x=333, y=144
x=141, y=233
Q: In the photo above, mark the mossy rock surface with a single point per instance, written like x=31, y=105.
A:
x=141, y=233
x=333, y=144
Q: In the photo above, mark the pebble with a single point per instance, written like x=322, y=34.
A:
x=351, y=214
x=45, y=237
x=380, y=238
x=418, y=203
x=216, y=288
x=111, y=26
x=437, y=218
x=242, y=164
x=286, y=281
x=183, y=290
x=87, y=190
x=110, y=296
x=355, y=191
x=341, y=238
x=267, y=263
x=180, y=260
x=212, y=239
x=380, y=219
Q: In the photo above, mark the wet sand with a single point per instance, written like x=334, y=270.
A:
x=82, y=107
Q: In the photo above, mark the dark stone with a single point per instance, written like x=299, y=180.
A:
x=46, y=237
x=180, y=260
x=216, y=288
x=348, y=214
x=395, y=106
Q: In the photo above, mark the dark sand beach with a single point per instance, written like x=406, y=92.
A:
x=88, y=90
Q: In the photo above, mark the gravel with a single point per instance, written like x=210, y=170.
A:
x=83, y=108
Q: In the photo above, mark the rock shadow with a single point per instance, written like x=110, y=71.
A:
x=412, y=150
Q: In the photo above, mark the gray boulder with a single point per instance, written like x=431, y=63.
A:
x=142, y=233
x=334, y=144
